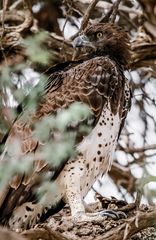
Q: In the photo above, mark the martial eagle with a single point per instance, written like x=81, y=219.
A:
x=97, y=80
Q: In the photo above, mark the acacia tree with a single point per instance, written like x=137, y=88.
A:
x=35, y=35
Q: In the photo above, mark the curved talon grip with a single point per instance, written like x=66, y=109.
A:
x=113, y=214
x=121, y=214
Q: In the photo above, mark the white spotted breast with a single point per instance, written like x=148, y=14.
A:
x=101, y=142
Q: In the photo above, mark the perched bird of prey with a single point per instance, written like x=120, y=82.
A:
x=97, y=80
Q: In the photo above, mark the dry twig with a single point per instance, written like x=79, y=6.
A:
x=115, y=9
x=86, y=17
x=87, y=14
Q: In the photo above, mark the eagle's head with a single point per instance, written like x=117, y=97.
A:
x=105, y=39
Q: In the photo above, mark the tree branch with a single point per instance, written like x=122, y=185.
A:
x=86, y=17
x=133, y=225
x=115, y=9
x=138, y=150
x=122, y=229
x=27, y=22
x=87, y=14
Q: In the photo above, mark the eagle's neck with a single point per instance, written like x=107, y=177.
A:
x=107, y=53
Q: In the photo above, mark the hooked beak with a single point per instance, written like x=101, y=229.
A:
x=81, y=41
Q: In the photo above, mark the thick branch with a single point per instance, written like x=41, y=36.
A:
x=121, y=229
x=45, y=233
x=6, y=234
x=132, y=226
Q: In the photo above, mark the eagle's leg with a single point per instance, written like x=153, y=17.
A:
x=78, y=213
x=77, y=207
x=74, y=199
x=25, y=216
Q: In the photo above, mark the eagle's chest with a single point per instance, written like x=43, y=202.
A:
x=98, y=147
x=95, y=155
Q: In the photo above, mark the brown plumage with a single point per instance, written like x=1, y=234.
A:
x=97, y=80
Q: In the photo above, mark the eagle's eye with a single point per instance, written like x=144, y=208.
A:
x=99, y=34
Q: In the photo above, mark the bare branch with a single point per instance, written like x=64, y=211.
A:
x=138, y=150
x=86, y=17
x=87, y=14
x=15, y=4
x=107, y=5
x=27, y=22
x=135, y=224
x=5, y=5
x=106, y=17
x=115, y=9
